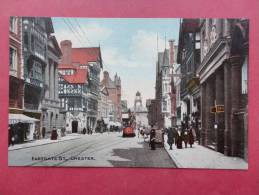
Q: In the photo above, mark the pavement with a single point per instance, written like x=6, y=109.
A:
x=40, y=142
x=201, y=157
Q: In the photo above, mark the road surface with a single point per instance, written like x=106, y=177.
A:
x=97, y=150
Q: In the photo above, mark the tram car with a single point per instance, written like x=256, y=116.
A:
x=129, y=125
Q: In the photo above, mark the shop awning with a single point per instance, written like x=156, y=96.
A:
x=20, y=118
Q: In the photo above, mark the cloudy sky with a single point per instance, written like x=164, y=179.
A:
x=128, y=46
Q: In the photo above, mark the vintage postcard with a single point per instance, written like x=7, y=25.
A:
x=128, y=92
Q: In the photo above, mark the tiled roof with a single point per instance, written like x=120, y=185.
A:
x=79, y=77
x=85, y=55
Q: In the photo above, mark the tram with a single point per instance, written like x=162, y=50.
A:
x=129, y=125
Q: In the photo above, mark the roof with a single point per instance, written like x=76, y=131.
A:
x=86, y=55
x=65, y=66
x=79, y=77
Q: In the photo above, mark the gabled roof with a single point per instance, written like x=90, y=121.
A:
x=86, y=55
x=79, y=77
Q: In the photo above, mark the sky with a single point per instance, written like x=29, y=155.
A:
x=129, y=47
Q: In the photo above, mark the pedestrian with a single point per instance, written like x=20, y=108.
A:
x=152, y=142
x=84, y=130
x=192, y=136
x=170, y=137
x=11, y=137
x=43, y=132
x=185, y=137
x=178, y=139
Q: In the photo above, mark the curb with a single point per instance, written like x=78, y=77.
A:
x=178, y=165
x=43, y=144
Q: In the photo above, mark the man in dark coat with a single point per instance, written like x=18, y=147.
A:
x=170, y=137
x=191, y=135
x=185, y=137
x=178, y=139
x=152, y=142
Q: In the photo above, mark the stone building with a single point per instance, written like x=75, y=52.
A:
x=114, y=90
x=189, y=60
x=223, y=79
x=40, y=54
x=51, y=115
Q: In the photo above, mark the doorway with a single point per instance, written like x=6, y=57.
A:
x=74, y=126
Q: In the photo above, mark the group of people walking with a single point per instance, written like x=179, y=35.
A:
x=179, y=136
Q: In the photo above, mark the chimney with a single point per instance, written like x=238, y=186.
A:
x=66, y=48
x=171, y=52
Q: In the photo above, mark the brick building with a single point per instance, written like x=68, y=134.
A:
x=114, y=90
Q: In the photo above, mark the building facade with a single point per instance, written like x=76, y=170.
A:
x=73, y=89
x=40, y=57
x=103, y=104
x=90, y=59
x=114, y=89
x=189, y=60
x=223, y=79
x=16, y=79
x=52, y=117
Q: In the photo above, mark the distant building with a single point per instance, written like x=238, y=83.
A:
x=124, y=106
x=114, y=90
x=151, y=105
x=158, y=91
x=140, y=111
x=103, y=104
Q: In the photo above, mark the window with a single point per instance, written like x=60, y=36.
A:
x=13, y=24
x=37, y=71
x=32, y=43
x=13, y=58
x=26, y=39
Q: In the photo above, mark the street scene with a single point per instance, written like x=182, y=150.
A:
x=124, y=92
